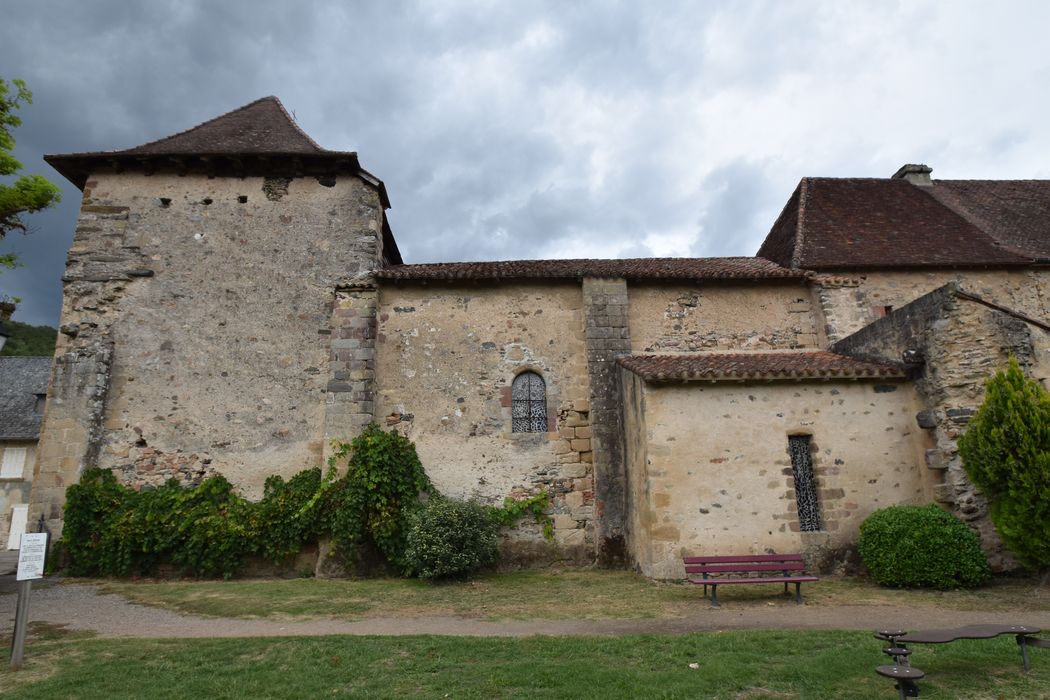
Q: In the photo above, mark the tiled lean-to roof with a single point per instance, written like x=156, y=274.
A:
x=21, y=380
x=869, y=223
x=632, y=268
x=717, y=366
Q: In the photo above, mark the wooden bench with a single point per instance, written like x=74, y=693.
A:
x=766, y=568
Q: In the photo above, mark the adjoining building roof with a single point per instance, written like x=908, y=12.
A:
x=868, y=223
x=1016, y=213
x=21, y=380
x=741, y=366
x=632, y=268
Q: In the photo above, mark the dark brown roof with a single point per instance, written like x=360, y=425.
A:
x=864, y=223
x=633, y=268
x=757, y=365
x=1016, y=213
x=264, y=126
x=258, y=136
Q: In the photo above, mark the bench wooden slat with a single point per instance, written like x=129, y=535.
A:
x=740, y=558
x=757, y=579
x=732, y=568
x=739, y=566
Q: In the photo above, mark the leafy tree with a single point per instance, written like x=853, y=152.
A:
x=1006, y=452
x=28, y=193
x=28, y=341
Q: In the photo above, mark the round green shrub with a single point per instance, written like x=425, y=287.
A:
x=451, y=539
x=921, y=547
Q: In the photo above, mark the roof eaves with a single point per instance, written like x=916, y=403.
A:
x=800, y=227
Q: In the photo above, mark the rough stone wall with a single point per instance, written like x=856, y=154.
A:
x=717, y=472
x=851, y=301
x=681, y=318
x=71, y=431
x=350, y=398
x=637, y=497
x=962, y=343
x=15, y=492
x=195, y=327
x=446, y=355
x=605, y=304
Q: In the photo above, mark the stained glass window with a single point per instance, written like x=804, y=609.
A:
x=805, y=483
x=528, y=404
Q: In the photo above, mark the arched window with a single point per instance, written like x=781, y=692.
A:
x=528, y=404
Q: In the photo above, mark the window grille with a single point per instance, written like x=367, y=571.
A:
x=805, y=483
x=528, y=404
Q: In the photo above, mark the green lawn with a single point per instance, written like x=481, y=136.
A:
x=737, y=665
x=551, y=595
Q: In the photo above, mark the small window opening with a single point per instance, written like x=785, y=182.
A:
x=528, y=404
x=243, y=199
x=38, y=407
x=206, y=201
x=805, y=483
x=165, y=202
x=880, y=311
x=326, y=180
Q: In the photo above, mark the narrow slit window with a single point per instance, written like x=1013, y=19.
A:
x=805, y=483
x=528, y=404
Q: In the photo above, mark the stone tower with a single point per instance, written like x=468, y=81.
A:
x=218, y=311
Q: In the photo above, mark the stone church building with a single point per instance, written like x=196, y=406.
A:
x=235, y=300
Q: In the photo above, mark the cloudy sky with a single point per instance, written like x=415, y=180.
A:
x=509, y=130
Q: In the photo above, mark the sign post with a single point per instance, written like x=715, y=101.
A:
x=31, y=554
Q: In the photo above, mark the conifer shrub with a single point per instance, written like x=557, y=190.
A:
x=1006, y=453
x=451, y=539
x=921, y=547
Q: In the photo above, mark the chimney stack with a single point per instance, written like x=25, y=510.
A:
x=916, y=174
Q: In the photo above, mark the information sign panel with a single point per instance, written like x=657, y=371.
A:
x=31, y=553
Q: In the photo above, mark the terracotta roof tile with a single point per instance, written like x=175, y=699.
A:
x=633, y=268
x=865, y=223
x=757, y=365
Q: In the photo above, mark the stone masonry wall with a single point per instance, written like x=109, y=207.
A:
x=608, y=336
x=961, y=344
x=446, y=356
x=350, y=394
x=195, y=328
x=851, y=301
x=690, y=318
x=716, y=473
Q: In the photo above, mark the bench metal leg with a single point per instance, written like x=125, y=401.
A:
x=714, y=596
x=798, y=592
x=1023, y=643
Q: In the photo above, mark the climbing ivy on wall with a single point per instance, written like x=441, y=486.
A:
x=209, y=531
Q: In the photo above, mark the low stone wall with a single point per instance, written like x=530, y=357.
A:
x=957, y=344
x=710, y=470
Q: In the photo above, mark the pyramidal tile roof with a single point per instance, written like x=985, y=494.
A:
x=260, y=138
x=263, y=126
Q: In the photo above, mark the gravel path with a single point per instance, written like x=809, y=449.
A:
x=82, y=607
